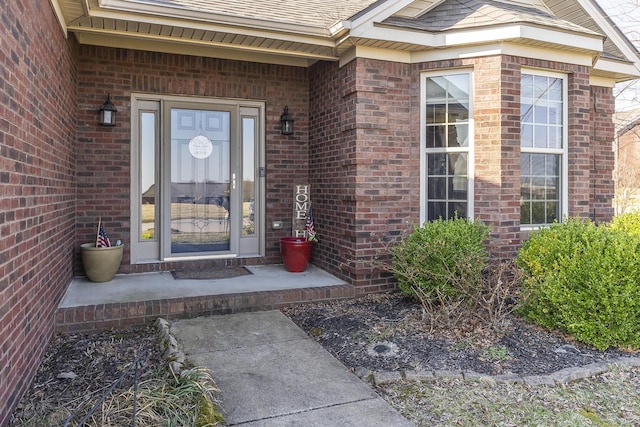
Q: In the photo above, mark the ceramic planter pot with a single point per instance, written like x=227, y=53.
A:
x=296, y=253
x=101, y=264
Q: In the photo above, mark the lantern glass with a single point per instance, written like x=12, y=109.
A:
x=286, y=122
x=108, y=113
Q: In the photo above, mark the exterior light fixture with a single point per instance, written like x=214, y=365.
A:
x=108, y=113
x=286, y=122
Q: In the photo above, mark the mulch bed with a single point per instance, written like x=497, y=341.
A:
x=387, y=333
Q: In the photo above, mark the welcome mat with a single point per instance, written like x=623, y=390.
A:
x=210, y=273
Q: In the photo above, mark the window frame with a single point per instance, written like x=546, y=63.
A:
x=563, y=187
x=424, y=151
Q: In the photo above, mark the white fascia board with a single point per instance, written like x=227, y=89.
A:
x=120, y=8
x=207, y=49
x=392, y=34
x=370, y=52
x=602, y=81
x=630, y=53
x=503, y=48
x=545, y=35
x=618, y=67
x=55, y=4
x=494, y=34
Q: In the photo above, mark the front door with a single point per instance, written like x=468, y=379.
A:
x=201, y=186
x=207, y=157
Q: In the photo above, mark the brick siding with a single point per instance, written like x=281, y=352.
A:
x=37, y=187
x=104, y=152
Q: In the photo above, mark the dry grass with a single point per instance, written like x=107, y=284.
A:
x=610, y=399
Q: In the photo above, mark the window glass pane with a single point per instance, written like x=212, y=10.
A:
x=555, y=89
x=437, y=164
x=457, y=208
x=540, y=137
x=435, y=136
x=248, y=180
x=525, y=164
x=148, y=188
x=526, y=87
x=526, y=136
x=437, y=188
x=435, y=113
x=436, y=210
x=459, y=111
x=540, y=114
x=537, y=188
x=540, y=87
x=555, y=113
x=537, y=164
x=551, y=168
x=458, y=86
x=526, y=113
x=552, y=212
x=555, y=137
x=538, y=213
x=462, y=131
x=525, y=212
x=436, y=88
x=525, y=188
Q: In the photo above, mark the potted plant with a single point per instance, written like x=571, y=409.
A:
x=100, y=259
x=296, y=251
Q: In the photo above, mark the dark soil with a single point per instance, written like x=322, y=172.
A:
x=388, y=333
x=78, y=368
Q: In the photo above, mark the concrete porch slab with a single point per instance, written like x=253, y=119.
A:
x=141, y=298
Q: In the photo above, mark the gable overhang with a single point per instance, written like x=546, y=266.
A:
x=163, y=27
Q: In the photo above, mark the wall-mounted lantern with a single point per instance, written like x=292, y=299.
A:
x=108, y=113
x=286, y=122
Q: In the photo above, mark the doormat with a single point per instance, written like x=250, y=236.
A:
x=210, y=273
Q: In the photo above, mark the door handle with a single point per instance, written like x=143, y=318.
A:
x=233, y=181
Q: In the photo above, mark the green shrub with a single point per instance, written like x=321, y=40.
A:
x=441, y=259
x=585, y=280
x=628, y=222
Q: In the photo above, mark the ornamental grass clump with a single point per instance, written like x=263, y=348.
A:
x=584, y=279
x=441, y=261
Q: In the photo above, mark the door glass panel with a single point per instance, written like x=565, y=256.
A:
x=200, y=181
x=148, y=201
x=248, y=177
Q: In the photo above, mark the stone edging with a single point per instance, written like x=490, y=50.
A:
x=178, y=362
x=562, y=376
x=169, y=347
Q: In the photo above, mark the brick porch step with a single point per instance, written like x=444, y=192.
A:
x=141, y=298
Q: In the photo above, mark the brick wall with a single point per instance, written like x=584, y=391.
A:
x=602, y=153
x=104, y=152
x=364, y=165
x=365, y=155
x=37, y=192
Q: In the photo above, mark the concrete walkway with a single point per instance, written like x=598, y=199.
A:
x=272, y=374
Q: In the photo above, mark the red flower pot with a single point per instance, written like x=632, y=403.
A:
x=296, y=253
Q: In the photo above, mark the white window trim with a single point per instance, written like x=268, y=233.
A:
x=564, y=151
x=423, y=142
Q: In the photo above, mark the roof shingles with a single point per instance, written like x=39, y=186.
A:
x=460, y=14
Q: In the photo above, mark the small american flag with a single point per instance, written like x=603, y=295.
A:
x=103, y=240
x=311, y=231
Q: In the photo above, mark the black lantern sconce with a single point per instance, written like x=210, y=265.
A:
x=286, y=122
x=108, y=113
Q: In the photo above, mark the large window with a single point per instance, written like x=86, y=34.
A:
x=543, y=148
x=446, y=146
